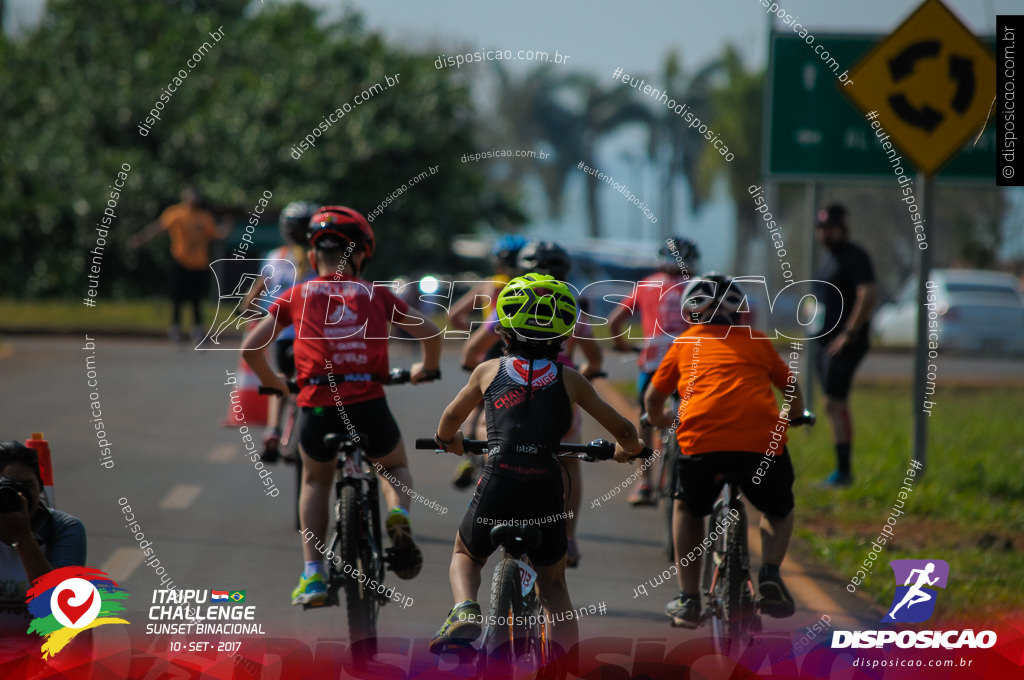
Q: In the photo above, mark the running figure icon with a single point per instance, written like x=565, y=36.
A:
x=916, y=595
x=914, y=600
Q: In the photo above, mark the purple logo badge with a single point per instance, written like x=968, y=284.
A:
x=916, y=581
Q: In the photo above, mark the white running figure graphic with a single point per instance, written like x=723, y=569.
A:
x=238, y=316
x=915, y=595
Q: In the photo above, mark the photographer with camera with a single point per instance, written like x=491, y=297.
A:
x=36, y=539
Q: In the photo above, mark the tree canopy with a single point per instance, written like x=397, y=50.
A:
x=77, y=87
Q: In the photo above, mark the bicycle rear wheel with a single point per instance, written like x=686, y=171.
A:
x=722, y=580
x=736, y=577
x=361, y=603
x=508, y=635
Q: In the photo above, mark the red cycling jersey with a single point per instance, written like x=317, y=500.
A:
x=341, y=330
x=659, y=298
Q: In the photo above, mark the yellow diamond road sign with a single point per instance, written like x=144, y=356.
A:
x=931, y=82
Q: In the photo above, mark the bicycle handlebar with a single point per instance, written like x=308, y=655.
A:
x=293, y=387
x=599, y=449
x=805, y=418
x=396, y=376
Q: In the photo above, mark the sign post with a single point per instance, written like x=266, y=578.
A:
x=923, y=266
x=929, y=85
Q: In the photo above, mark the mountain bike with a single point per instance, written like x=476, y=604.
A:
x=725, y=580
x=515, y=632
x=357, y=538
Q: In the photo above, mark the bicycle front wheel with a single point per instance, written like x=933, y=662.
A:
x=670, y=453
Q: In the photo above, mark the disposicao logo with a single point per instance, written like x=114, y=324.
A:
x=914, y=601
x=66, y=601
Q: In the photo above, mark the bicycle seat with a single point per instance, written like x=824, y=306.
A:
x=341, y=441
x=515, y=539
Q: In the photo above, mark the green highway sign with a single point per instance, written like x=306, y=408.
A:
x=816, y=133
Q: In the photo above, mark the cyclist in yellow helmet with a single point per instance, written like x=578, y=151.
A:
x=528, y=400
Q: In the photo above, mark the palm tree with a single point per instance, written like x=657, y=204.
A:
x=603, y=112
x=674, y=147
x=570, y=115
x=736, y=103
x=527, y=116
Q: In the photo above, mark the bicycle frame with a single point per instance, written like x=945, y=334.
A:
x=353, y=471
x=727, y=585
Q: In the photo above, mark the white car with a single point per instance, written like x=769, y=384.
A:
x=978, y=311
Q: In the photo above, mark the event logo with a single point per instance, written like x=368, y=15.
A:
x=66, y=601
x=914, y=601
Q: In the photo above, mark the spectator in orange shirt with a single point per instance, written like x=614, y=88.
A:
x=728, y=422
x=191, y=228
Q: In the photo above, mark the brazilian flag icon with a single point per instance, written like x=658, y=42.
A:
x=237, y=596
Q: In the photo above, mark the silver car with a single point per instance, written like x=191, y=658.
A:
x=975, y=311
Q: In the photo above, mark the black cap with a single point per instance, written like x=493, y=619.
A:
x=834, y=214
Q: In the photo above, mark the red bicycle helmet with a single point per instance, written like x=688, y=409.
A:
x=335, y=226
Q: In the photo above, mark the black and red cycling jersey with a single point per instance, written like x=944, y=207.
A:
x=521, y=415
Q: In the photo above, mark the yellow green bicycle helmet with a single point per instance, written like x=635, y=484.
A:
x=537, y=307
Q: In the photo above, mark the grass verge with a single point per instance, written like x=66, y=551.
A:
x=140, y=316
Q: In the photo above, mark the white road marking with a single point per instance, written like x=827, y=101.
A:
x=122, y=563
x=181, y=496
x=223, y=453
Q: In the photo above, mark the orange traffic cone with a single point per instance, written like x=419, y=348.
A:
x=42, y=448
x=246, y=406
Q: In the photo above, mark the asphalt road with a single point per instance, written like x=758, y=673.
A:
x=201, y=504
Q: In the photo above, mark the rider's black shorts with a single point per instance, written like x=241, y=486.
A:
x=370, y=420
x=514, y=490
x=836, y=372
x=284, y=354
x=697, y=487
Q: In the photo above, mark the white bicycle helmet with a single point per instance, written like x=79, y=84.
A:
x=713, y=296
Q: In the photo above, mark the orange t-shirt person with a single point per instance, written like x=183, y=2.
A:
x=725, y=389
x=191, y=229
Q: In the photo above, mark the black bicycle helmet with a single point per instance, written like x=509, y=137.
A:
x=545, y=257
x=680, y=253
x=294, y=221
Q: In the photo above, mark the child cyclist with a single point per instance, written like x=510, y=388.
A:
x=729, y=421
x=545, y=257
x=528, y=400
x=294, y=225
x=341, y=330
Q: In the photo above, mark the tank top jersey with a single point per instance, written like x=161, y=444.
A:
x=522, y=420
